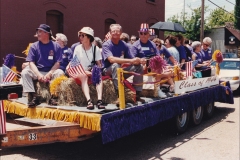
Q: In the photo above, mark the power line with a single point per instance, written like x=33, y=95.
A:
x=222, y=8
x=230, y=2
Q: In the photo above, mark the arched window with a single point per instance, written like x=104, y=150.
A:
x=108, y=22
x=55, y=21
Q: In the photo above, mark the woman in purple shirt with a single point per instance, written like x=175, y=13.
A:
x=202, y=65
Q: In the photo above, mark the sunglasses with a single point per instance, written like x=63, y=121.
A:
x=206, y=44
x=157, y=44
x=133, y=39
x=82, y=35
x=143, y=33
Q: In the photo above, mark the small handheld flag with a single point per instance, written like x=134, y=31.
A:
x=7, y=74
x=74, y=68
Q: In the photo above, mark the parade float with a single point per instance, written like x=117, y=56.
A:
x=71, y=121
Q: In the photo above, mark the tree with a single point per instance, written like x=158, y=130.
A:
x=191, y=23
x=237, y=15
x=215, y=20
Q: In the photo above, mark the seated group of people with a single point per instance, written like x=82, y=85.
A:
x=47, y=59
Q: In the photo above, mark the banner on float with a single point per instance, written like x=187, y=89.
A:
x=194, y=84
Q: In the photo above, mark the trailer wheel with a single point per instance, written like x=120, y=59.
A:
x=182, y=122
x=209, y=110
x=197, y=115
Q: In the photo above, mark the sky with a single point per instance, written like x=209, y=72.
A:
x=173, y=7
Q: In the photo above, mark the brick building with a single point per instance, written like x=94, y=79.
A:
x=19, y=19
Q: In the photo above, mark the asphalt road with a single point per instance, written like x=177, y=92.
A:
x=217, y=138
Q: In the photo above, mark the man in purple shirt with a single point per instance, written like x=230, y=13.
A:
x=115, y=53
x=206, y=50
x=44, y=59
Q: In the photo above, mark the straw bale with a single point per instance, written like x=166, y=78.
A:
x=69, y=92
x=151, y=93
x=42, y=90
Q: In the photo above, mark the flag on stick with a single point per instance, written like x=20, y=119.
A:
x=2, y=119
x=74, y=68
x=189, y=69
x=107, y=37
x=7, y=74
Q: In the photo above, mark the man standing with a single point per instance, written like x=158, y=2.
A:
x=44, y=59
x=116, y=52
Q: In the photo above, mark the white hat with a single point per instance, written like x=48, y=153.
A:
x=86, y=30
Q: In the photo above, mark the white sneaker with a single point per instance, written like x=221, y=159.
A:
x=161, y=94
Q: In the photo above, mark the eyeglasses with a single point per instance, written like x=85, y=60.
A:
x=115, y=31
x=206, y=44
x=82, y=35
x=143, y=33
x=133, y=39
x=157, y=44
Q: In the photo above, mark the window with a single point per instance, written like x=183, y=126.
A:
x=54, y=19
x=151, y=1
x=108, y=22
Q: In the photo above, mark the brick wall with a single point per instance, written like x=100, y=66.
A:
x=19, y=19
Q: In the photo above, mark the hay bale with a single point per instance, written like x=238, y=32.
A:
x=151, y=93
x=42, y=90
x=69, y=91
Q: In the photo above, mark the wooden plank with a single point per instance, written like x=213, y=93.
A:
x=44, y=135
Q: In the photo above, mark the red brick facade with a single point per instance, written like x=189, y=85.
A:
x=20, y=18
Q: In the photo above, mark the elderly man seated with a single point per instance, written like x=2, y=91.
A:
x=145, y=49
x=116, y=52
x=44, y=59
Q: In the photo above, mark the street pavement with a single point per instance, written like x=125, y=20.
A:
x=214, y=139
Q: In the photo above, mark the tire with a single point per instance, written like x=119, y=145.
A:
x=209, y=110
x=181, y=122
x=197, y=115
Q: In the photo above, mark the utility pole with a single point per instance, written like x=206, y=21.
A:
x=183, y=12
x=202, y=22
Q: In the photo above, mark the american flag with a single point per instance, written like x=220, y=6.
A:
x=189, y=69
x=74, y=68
x=107, y=37
x=7, y=74
x=2, y=119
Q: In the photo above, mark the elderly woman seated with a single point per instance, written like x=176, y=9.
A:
x=67, y=54
x=203, y=66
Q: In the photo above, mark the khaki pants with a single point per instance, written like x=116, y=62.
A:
x=112, y=71
x=28, y=76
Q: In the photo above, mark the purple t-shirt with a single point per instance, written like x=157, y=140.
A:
x=199, y=58
x=117, y=50
x=165, y=52
x=67, y=56
x=146, y=50
x=206, y=55
x=182, y=52
x=44, y=55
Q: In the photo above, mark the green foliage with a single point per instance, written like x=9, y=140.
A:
x=192, y=22
x=237, y=15
x=215, y=20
